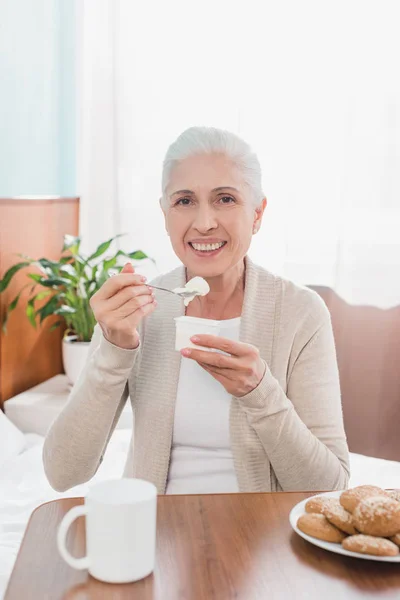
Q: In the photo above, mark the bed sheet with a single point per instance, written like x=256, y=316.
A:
x=23, y=487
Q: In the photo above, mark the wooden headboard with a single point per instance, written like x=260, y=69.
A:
x=368, y=350
x=35, y=227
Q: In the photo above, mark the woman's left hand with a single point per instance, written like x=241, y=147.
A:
x=240, y=373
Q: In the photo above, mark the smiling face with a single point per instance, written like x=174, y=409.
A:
x=209, y=214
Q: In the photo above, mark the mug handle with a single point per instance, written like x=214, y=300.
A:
x=74, y=513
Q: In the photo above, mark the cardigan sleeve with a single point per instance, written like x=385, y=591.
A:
x=302, y=431
x=76, y=441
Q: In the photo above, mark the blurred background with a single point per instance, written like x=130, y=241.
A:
x=94, y=91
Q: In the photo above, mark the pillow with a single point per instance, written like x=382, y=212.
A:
x=12, y=440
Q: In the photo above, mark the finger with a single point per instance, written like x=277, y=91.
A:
x=128, y=268
x=217, y=375
x=220, y=343
x=212, y=359
x=229, y=374
x=126, y=294
x=114, y=284
x=133, y=305
x=137, y=315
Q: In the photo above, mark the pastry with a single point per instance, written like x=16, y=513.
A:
x=367, y=544
x=394, y=494
x=338, y=516
x=396, y=539
x=378, y=515
x=350, y=498
x=318, y=504
x=316, y=525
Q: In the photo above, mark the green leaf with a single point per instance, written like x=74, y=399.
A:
x=53, y=327
x=30, y=312
x=50, y=267
x=68, y=272
x=52, y=281
x=103, y=247
x=14, y=303
x=42, y=295
x=55, y=283
x=92, y=288
x=49, y=308
x=45, y=268
x=68, y=269
x=10, y=274
x=79, y=265
x=102, y=279
x=30, y=309
x=35, y=277
x=137, y=255
x=71, y=243
x=12, y=306
x=67, y=259
x=110, y=263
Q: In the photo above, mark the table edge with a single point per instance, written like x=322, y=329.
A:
x=37, y=508
x=82, y=498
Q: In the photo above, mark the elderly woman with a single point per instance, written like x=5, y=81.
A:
x=263, y=415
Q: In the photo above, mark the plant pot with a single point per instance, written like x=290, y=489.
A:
x=74, y=355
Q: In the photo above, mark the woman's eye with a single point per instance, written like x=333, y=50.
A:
x=183, y=201
x=227, y=200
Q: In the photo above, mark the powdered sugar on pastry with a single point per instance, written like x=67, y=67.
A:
x=319, y=504
x=378, y=515
x=338, y=516
x=350, y=498
x=366, y=544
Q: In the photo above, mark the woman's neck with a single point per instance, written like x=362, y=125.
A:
x=225, y=298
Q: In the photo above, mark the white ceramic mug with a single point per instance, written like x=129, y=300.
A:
x=120, y=530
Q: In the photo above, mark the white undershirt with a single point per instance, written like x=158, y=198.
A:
x=201, y=456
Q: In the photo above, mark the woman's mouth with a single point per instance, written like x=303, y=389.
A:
x=203, y=249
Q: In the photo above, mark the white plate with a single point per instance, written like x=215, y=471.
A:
x=299, y=510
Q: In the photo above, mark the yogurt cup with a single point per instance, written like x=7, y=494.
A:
x=186, y=327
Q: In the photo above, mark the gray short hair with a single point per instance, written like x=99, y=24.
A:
x=209, y=140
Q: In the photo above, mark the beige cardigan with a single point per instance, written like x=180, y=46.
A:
x=287, y=434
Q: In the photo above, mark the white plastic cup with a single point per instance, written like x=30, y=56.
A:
x=187, y=327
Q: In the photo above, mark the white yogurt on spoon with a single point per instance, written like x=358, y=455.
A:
x=197, y=286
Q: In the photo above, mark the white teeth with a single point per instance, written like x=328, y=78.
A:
x=207, y=247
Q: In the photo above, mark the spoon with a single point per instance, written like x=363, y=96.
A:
x=181, y=294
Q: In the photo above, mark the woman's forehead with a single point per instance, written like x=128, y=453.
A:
x=205, y=172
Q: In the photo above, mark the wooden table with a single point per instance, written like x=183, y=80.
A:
x=211, y=547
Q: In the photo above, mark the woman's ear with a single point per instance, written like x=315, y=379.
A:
x=259, y=215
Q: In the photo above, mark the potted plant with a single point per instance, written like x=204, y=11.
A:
x=67, y=286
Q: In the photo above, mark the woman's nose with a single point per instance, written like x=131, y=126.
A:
x=205, y=220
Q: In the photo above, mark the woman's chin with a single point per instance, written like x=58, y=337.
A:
x=203, y=272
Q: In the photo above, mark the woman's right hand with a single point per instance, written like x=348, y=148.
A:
x=119, y=306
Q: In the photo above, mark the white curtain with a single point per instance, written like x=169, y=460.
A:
x=313, y=86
